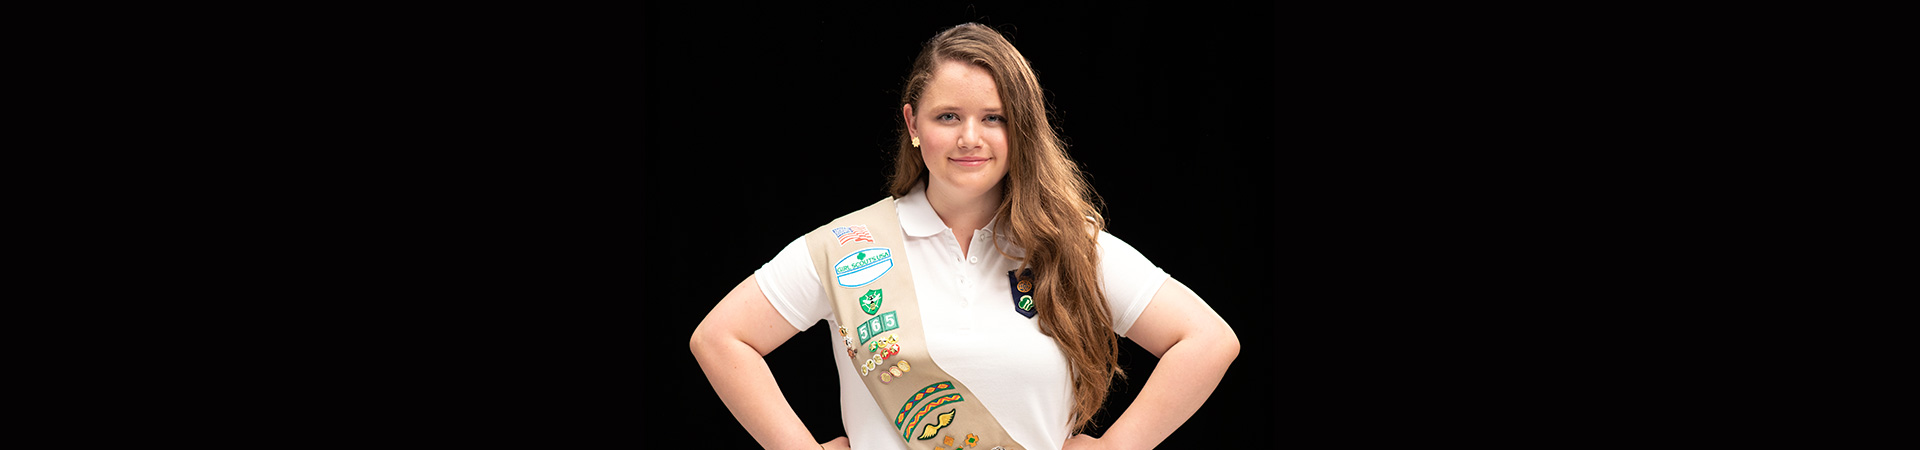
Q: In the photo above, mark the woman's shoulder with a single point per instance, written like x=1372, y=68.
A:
x=1112, y=246
x=864, y=213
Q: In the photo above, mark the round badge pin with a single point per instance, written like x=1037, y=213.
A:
x=1026, y=286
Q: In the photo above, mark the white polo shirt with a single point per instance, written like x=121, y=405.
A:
x=976, y=334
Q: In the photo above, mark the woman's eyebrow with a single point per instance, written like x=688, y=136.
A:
x=956, y=108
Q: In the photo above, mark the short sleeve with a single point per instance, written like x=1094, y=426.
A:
x=1128, y=279
x=793, y=287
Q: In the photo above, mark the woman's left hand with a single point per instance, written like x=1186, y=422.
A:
x=1083, y=442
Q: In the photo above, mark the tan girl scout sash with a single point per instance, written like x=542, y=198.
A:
x=867, y=280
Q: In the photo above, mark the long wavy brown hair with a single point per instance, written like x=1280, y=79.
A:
x=1046, y=206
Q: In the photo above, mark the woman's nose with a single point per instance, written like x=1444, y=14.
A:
x=970, y=137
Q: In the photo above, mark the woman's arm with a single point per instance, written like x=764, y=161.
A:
x=730, y=344
x=1195, y=347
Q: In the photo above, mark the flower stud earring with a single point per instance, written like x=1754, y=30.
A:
x=916, y=141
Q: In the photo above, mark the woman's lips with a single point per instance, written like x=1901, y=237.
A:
x=969, y=162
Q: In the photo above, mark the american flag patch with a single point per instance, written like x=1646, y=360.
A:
x=855, y=233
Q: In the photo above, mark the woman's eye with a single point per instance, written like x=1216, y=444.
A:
x=951, y=117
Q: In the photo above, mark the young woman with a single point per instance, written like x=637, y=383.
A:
x=979, y=306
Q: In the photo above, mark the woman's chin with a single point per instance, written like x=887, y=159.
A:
x=973, y=186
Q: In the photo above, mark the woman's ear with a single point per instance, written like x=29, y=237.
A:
x=906, y=113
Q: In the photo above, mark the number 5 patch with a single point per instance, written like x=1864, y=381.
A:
x=878, y=324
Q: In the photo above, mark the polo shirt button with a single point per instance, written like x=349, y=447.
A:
x=975, y=259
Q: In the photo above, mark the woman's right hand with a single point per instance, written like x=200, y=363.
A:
x=836, y=444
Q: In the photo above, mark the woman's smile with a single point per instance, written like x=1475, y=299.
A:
x=970, y=161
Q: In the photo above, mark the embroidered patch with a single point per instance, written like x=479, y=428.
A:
x=972, y=440
x=870, y=302
x=947, y=441
x=863, y=266
x=1022, y=284
x=934, y=427
x=855, y=233
x=900, y=418
x=878, y=324
x=928, y=408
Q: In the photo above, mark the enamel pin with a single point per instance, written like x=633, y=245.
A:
x=1022, y=287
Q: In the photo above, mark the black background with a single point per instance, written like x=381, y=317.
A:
x=1497, y=225
x=762, y=125
x=1435, y=224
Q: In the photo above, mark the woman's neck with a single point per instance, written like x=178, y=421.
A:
x=963, y=214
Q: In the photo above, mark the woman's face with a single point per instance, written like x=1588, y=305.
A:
x=962, y=130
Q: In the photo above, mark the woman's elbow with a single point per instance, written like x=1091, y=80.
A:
x=698, y=340
x=1229, y=342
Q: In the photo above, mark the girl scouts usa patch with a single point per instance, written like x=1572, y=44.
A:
x=863, y=266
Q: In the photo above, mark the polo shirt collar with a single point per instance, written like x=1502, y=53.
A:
x=917, y=217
